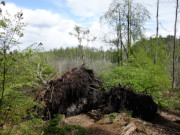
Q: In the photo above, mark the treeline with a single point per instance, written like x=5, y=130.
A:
x=91, y=54
x=144, y=50
x=163, y=48
x=142, y=53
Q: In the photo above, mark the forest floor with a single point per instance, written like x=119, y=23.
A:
x=165, y=123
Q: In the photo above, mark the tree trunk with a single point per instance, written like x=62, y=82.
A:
x=157, y=32
x=174, y=46
x=157, y=19
x=120, y=38
x=4, y=78
x=128, y=29
x=118, y=41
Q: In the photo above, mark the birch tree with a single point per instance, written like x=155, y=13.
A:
x=127, y=20
x=82, y=34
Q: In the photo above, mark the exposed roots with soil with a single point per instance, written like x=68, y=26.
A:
x=74, y=92
x=79, y=91
x=140, y=105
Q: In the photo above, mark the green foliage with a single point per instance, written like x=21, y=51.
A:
x=137, y=78
x=126, y=18
x=21, y=72
x=2, y=23
x=36, y=66
x=63, y=129
x=111, y=116
x=148, y=48
x=21, y=80
x=14, y=110
x=3, y=3
x=141, y=75
x=170, y=99
x=82, y=34
x=66, y=129
x=30, y=127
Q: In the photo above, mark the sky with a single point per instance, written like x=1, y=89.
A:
x=50, y=21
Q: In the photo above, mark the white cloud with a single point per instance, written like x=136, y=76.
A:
x=95, y=8
x=58, y=3
x=166, y=17
x=44, y=26
x=52, y=28
x=88, y=8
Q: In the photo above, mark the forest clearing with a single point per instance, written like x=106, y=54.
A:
x=131, y=87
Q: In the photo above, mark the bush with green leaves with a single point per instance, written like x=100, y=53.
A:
x=22, y=78
x=137, y=79
x=141, y=75
x=29, y=127
x=21, y=71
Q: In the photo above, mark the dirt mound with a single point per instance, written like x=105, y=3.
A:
x=82, y=119
x=71, y=93
x=79, y=91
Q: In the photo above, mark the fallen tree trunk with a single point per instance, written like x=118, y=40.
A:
x=79, y=91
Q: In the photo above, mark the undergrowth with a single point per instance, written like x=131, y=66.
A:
x=57, y=126
x=151, y=80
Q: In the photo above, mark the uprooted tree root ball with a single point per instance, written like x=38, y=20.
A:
x=79, y=91
x=71, y=93
x=140, y=105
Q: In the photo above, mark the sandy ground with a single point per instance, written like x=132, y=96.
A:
x=165, y=123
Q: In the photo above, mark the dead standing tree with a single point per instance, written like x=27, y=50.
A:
x=157, y=32
x=174, y=46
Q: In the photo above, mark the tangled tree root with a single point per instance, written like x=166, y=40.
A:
x=79, y=91
x=140, y=105
x=71, y=93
